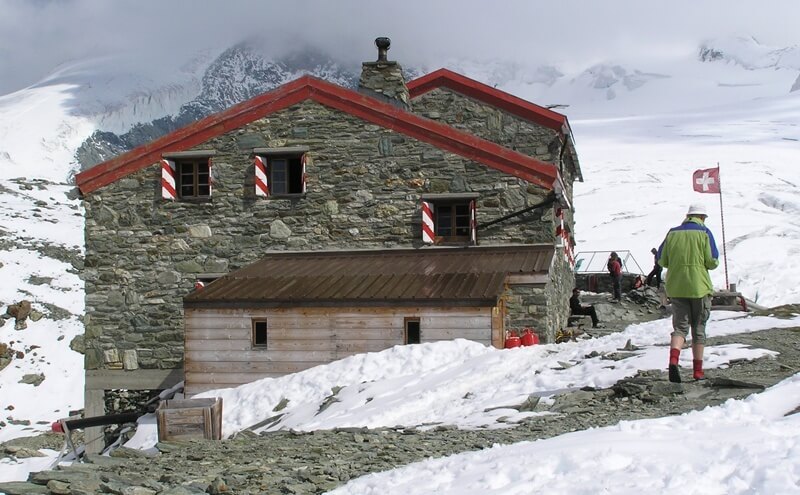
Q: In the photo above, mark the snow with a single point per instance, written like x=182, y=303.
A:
x=742, y=446
x=641, y=129
x=43, y=125
x=465, y=384
x=427, y=384
x=40, y=216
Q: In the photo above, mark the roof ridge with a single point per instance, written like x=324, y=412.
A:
x=307, y=87
x=470, y=87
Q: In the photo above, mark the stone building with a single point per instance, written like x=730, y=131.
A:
x=393, y=177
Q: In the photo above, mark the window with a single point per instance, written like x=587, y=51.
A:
x=411, y=334
x=260, y=333
x=194, y=178
x=280, y=171
x=186, y=175
x=452, y=222
x=286, y=174
x=449, y=219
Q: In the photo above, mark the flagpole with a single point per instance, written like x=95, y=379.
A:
x=722, y=220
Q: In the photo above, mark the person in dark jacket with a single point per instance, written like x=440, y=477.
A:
x=576, y=308
x=615, y=270
x=688, y=253
x=655, y=273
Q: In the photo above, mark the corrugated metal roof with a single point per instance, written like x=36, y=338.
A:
x=473, y=276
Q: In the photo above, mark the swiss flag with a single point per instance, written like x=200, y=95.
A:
x=706, y=180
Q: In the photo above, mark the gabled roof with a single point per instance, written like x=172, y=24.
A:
x=493, y=96
x=474, y=276
x=339, y=98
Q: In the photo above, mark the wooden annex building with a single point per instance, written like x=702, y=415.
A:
x=291, y=311
x=326, y=221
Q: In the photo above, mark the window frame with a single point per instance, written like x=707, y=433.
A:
x=296, y=161
x=172, y=165
x=406, y=321
x=452, y=201
x=254, y=336
x=294, y=174
x=196, y=185
x=454, y=226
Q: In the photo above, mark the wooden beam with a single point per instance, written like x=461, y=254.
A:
x=132, y=380
x=94, y=405
x=538, y=278
x=498, y=332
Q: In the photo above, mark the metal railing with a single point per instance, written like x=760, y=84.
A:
x=596, y=262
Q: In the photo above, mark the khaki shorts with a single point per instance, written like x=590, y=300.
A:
x=690, y=313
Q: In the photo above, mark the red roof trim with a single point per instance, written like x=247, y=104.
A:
x=495, y=97
x=337, y=97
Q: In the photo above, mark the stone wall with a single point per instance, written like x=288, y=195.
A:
x=544, y=308
x=143, y=254
x=602, y=282
x=489, y=123
x=497, y=126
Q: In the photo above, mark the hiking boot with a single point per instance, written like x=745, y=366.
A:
x=674, y=373
x=697, y=366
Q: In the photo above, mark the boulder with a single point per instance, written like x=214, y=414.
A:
x=20, y=311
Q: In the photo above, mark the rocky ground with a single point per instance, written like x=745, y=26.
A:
x=310, y=463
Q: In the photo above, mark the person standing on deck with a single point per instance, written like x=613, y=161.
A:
x=615, y=270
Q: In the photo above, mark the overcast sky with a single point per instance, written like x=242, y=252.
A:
x=38, y=35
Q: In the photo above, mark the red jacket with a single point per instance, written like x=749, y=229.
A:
x=616, y=267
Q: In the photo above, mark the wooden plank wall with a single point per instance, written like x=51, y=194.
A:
x=219, y=353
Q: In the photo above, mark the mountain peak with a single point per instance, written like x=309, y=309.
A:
x=749, y=53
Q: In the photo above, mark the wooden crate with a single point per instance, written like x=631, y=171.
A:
x=183, y=419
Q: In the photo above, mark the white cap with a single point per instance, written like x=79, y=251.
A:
x=697, y=210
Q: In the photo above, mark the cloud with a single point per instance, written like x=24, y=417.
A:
x=35, y=37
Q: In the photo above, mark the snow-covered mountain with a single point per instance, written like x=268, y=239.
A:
x=237, y=74
x=642, y=127
x=750, y=54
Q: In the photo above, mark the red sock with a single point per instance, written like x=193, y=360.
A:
x=673, y=355
x=697, y=364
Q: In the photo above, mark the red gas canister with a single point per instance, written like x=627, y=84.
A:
x=512, y=340
x=529, y=337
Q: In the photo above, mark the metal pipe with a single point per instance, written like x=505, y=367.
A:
x=110, y=419
x=383, y=47
x=546, y=202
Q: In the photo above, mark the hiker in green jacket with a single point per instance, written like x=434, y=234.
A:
x=688, y=252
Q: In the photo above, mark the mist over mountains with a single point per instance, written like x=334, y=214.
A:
x=246, y=70
x=239, y=73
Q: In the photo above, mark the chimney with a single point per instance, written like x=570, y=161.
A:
x=383, y=79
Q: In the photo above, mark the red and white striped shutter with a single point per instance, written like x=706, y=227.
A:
x=560, y=227
x=567, y=246
x=303, y=163
x=168, y=180
x=262, y=183
x=427, y=223
x=210, y=178
x=564, y=237
x=473, y=223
